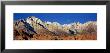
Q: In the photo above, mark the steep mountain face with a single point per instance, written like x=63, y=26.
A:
x=33, y=21
x=36, y=23
x=30, y=25
x=24, y=26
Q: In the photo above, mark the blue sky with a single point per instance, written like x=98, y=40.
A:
x=62, y=18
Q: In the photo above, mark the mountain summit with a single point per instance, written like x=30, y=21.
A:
x=29, y=25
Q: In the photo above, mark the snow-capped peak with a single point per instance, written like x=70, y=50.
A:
x=48, y=22
x=32, y=18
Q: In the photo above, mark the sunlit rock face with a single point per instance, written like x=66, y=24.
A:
x=35, y=22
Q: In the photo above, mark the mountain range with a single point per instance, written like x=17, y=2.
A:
x=33, y=25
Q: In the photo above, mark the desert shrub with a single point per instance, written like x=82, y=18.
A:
x=82, y=31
